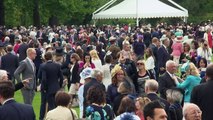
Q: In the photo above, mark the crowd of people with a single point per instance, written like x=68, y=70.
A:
x=161, y=72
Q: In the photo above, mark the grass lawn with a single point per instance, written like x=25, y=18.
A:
x=36, y=102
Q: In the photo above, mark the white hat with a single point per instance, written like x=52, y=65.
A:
x=179, y=39
x=163, y=38
x=86, y=73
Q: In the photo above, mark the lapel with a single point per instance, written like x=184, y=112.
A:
x=29, y=64
x=170, y=78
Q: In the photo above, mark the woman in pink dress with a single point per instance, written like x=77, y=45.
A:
x=177, y=48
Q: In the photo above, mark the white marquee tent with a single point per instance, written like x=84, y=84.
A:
x=137, y=9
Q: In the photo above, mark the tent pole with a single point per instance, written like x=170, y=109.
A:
x=137, y=22
x=185, y=19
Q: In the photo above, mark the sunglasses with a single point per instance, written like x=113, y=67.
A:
x=140, y=64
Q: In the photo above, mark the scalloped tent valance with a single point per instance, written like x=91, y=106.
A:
x=136, y=9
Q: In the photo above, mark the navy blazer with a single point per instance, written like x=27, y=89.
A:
x=9, y=62
x=12, y=110
x=22, y=51
x=52, y=78
x=163, y=57
x=165, y=83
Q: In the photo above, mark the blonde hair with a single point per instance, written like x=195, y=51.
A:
x=143, y=62
x=29, y=51
x=143, y=101
x=94, y=54
x=192, y=70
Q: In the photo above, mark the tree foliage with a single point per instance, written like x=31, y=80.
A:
x=44, y=12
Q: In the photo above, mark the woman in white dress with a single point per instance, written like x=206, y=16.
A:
x=95, y=59
x=106, y=70
x=150, y=61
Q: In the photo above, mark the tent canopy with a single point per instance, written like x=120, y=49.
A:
x=135, y=9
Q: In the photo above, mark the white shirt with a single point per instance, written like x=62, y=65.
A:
x=7, y=100
x=150, y=63
x=107, y=75
x=97, y=63
x=81, y=100
x=59, y=113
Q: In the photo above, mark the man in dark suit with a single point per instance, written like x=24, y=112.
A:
x=154, y=48
x=28, y=70
x=202, y=95
x=151, y=88
x=22, y=49
x=166, y=80
x=9, y=62
x=38, y=59
x=163, y=55
x=52, y=80
x=10, y=109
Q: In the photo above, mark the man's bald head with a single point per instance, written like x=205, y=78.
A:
x=192, y=112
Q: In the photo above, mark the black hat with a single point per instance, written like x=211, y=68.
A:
x=59, y=51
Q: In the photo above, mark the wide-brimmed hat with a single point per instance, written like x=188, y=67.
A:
x=86, y=73
x=112, y=38
x=163, y=38
x=115, y=70
x=179, y=39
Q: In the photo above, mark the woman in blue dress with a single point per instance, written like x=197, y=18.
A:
x=192, y=79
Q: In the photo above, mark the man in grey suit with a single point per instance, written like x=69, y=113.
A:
x=27, y=70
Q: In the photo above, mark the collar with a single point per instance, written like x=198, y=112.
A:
x=164, y=46
x=154, y=44
x=7, y=100
x=29, y=59
x=170, y=74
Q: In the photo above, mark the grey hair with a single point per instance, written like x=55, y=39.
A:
x=187, y=107
x=96, y=72
x=174, y=96
x=2, y=74
x=169, y=62
x=152, y=85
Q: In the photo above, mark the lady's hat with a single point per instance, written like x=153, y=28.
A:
x=86, y=73
x=47, y=47
x=163, y=38
x=112, y=38
x=115, y=70
x=179, y=39
x=184, y=67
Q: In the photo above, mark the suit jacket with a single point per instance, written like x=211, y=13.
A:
x=9, y=62
x=155, y=52
x=75, y=77
x=163, y=57
x=202, y=95
x=165, y=83
x=153, y=96
x=26, y=69
x=38, y=58
x=22, y=51
x=52, y=78
x=12, y=110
